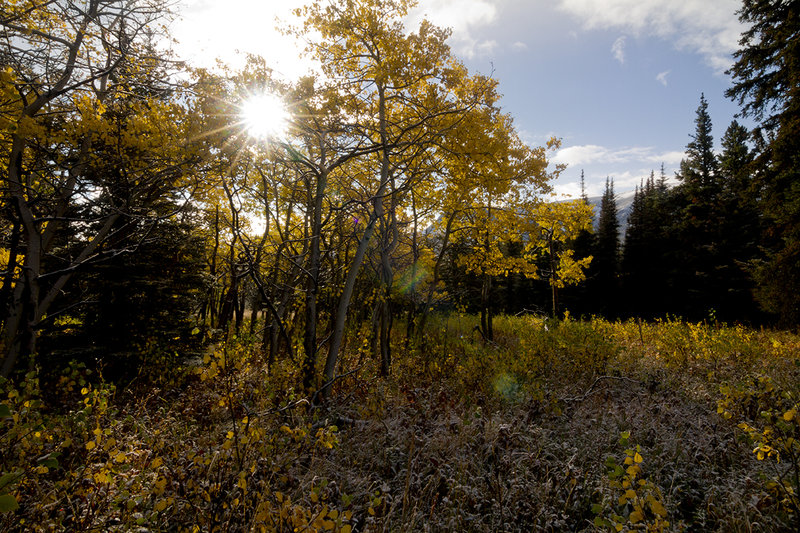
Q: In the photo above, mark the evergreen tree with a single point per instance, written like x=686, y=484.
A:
x=140, y=305
x=697, y=223
x=576, y=298
x=633, y=259
x=605, y=265
x=738, y=236
x=765, y=84
x=648, y=255
x=699, y=168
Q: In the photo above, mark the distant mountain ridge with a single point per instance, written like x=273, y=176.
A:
x=624, y=208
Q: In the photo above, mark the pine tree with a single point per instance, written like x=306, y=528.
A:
x=765, y=84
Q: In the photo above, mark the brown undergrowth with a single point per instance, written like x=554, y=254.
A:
x=559, y=426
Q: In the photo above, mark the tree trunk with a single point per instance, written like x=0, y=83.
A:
x=355, y=267
x=313, y=273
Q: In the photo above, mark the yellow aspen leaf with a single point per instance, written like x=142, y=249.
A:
x=658, y=508
x=160, y=505
x=638, y=457
x=161, y=485
x=90, y=445
x=635, y=517
x=789, y=415
x=157, y=462
x=346, y=529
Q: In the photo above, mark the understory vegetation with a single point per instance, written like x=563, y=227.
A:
x=555, y=425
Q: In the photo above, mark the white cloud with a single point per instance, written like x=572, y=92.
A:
x=485, y=48
x=536, y=139
x=519, y=46
x=618, y=49
x=672, y=158
x=627, y=166
x=708, y=28
x=662, y=77
x=625, y=182
x=462, y=16
x=590, y=154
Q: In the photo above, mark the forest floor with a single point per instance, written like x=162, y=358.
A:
x=553, y=426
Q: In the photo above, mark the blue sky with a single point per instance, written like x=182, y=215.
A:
x=617, y=80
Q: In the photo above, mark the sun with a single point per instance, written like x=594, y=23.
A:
x=265, y=116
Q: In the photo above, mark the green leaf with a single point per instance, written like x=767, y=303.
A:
x=5, y=411
x=8, y=503
x=599, y=521
x=8, y=479
x=49, y=462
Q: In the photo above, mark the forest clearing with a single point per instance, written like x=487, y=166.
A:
x=555, y=426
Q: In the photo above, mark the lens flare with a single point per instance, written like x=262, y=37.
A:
x=264, y=116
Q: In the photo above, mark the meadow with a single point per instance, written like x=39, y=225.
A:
x=554, y=426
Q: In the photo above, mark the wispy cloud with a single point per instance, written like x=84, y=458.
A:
x=662, y=77
x=628, y=166
x=710, y=29
x=625, y=182
x=618, y=49
x=519, y=46
x=462, y=16
x=590, y=154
